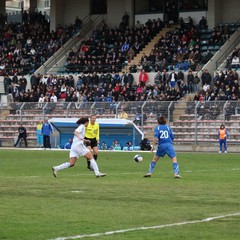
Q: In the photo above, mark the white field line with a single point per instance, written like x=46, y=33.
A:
x=146, y=228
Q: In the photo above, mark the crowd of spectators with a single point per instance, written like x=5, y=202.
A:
x=217, y=92
x=223, y=86
x=115, y=87
x=109, y=49
x=99, y=63
x=94, y=87
x=182, y=48
x=25, y=46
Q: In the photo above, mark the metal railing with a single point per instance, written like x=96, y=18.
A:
x=192, y=122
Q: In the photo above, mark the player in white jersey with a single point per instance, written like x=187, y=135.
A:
x=78, y=149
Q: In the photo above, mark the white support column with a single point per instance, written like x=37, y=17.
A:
x=129, y=6
x=214, y=13
x=57, y=13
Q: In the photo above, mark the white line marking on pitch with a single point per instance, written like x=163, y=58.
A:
x=146, y=228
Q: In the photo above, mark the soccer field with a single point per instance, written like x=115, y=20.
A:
x=204, y=204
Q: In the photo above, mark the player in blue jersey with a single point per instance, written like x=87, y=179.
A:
x=163, y=136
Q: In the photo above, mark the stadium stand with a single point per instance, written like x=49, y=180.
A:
x=104, y=87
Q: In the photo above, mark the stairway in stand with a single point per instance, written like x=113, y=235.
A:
x=150, y=46
x=180, y=107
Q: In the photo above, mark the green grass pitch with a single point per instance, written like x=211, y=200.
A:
x=204, y=204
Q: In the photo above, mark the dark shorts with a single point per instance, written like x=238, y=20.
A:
x=93, y=142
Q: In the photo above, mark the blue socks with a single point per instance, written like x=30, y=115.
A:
x=151, y=166
x=175, y=168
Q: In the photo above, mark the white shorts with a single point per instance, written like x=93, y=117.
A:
x=76, y=152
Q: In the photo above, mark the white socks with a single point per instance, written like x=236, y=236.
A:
x=62, y=166
x=65, y=165
x=94, y=166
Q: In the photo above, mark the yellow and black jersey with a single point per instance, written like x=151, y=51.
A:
x=92, y=131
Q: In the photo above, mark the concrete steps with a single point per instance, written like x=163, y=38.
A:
x=150, y=46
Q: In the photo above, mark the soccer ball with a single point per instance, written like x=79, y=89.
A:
x=138, y=158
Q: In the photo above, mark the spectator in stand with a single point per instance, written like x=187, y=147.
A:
x=33, y=81
x=139, y=67
x=206, y=77
x=79, y=82
x=53, y=98
x=190, y=81
x=125, y=47
x=130, y=78
x=23, y=83
x=158, y=78
x=206, y=87
x=235, y=62
x=125, y=19
x=78, y=24
x=172, y=79
x=203, y=23
x=196, y=83
x=143, y=78
x=123, y=115
x=41, y=100
x=7, y=82
x=165, y=77
x=124, y=78
x=133, y=68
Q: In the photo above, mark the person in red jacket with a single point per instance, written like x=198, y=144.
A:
x=222, y=138
x=143, y=78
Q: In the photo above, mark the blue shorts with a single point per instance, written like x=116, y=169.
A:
x=165, y=149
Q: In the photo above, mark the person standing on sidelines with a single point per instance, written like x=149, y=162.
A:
x=163, y=137
x=92, y=134
x=47, y=130
x=39, y=134
x=78, y=149
x=222, y=138
x=22, y=134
